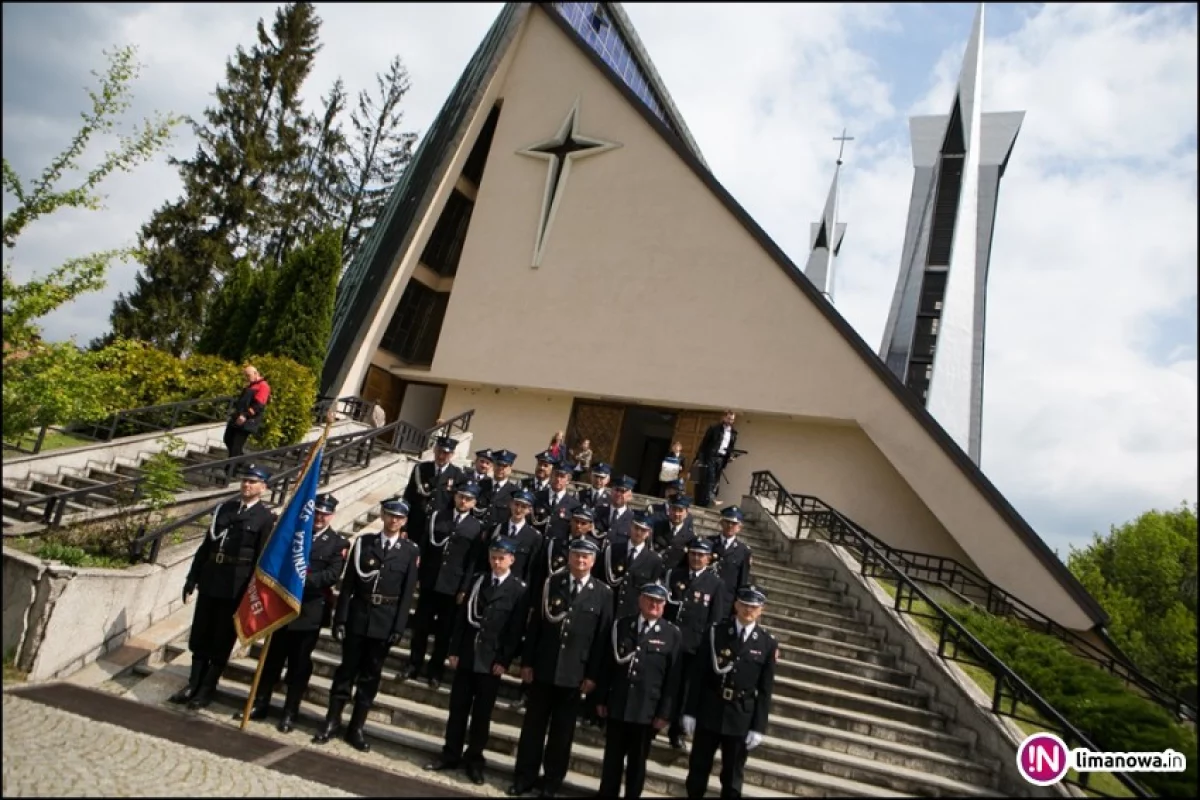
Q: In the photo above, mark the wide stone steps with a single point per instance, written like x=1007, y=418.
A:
x=667, y=769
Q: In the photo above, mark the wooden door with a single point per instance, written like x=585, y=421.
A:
x=384, y=388
x=600, y=423
x=689, y=431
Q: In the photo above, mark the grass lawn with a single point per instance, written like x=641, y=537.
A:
x=55, y=440
x=11, y=673
x=1103, y=782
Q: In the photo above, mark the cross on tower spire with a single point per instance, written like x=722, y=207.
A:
x=842, y=146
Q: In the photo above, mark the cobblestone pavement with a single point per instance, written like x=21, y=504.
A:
x=49, y=752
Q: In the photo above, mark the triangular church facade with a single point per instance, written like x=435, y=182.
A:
x=558, y=257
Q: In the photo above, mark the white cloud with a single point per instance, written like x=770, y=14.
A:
x=1090, y=399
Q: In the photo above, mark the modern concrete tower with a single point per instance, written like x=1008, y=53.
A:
x=935, y=330
x=825, y=239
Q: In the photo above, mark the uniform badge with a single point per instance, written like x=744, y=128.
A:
x=562, y=513
x=371, y=562
x=620, y=568
x=707, y=597
x=681, y=586
x=557, y=602
x=726, y=652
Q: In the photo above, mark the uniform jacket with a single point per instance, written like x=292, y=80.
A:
x=528, y=482
x=739, y=701
x=554, y=521
x=627, y=579
x=529, y=549
x=613, y=531
x=251, y=404
x=554, y=557
x=695, y=604
x=326, y=559
x=449, y=552
x=567, y=641
x=733, y=566
x=377, y=592
x=590, y=498
x=672, y=545
x=500, y=497
x=229, y=551
x=490, y=624
x=643, y=687
x=425, y=495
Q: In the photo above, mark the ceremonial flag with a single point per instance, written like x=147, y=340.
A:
x=276, y=590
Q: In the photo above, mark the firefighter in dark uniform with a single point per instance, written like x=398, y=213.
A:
x=671, y=490
x=514, y=524
x=697, y=602
x=638, y=688
x=447, y=567
x=295, y=643
x=372, y=611
x=552, y=506
x=556, y=552
x=504, y=486
x=729, y=695
x=540, y=478
x=731, y=556
x=674, y=534
x=597, y=493
x=565, y=648
x=487, y=637
x=431, y=487
x=480, y=474
x=221, y=570
x=628, y=565
x=614, y=516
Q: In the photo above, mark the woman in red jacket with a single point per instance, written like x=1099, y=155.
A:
x=247, y=412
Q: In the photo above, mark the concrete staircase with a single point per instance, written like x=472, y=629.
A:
x=850, y=716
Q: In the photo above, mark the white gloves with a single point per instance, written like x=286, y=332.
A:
x=753, y=740
x=688, y=724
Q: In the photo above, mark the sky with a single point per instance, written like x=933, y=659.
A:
x=1090, y=401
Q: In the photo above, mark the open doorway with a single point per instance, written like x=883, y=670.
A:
x=645, y=439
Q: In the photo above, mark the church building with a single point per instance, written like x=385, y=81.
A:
x=557, y=256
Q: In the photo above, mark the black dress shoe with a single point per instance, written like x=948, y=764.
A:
x=260, y=711
x=475, y=774
x=287, y=722
x=202, y=699
x=518, y=789
x=676, y=742
x=355, y=738
x=182, y=696
x=434, y=683
x=439, y=764
x=547, y=792
x=412, y=673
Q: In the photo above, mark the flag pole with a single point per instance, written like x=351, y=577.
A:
x=262, y=654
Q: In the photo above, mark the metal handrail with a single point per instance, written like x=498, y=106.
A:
x=396, y=437
x=953, y=639
x=965, y=582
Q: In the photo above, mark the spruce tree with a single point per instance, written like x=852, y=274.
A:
x=378, y=153
x=298, y=318
x=223, y=308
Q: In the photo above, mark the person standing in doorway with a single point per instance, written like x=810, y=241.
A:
x=672, y=469
x=716, y=449
x=247, y=414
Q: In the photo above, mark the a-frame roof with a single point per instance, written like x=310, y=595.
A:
x=366, y=278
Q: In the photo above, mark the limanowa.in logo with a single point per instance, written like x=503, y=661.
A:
x=1043, y=759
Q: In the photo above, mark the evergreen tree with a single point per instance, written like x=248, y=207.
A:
x=378, y=154
x=222, y=310
x=232, y=184
x=299, y=316
x=246, y=321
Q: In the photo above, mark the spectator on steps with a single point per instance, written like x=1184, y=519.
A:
x=247, y=413
x=672, y=469
x=582, y=458
x=558, y=447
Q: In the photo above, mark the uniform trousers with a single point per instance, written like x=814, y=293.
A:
x=294, y=648
x=434, y=610
x=213, y=634
x=549, y=707
x=361, y=668
x=686, y=661
x=733, y=763
x=625, y=740
x=472, y=700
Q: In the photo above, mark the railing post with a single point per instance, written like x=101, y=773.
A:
x=37, y=446
x=112, y=431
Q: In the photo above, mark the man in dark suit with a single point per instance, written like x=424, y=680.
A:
x=638, y=688
x=628, y=565
x=487, y=637
x=597, y=493
x=447, y=568
x=527, y=542
x=372, y=612
x=729, y=695
x=671, y=490
x=552, y=506
x=556, y=552
x=480, y=474
x=431, y=487
x=221, y=570
x=673, y=534
x=564, y=653
x=716, y=448
x=540, y=479
x=697, y=602
x=731, y=556
x=615, y=516
x=295, y=643
x=503, y=487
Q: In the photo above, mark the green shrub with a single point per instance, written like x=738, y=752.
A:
x=1096, y=702
x=208, y=376
x=293, y=393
